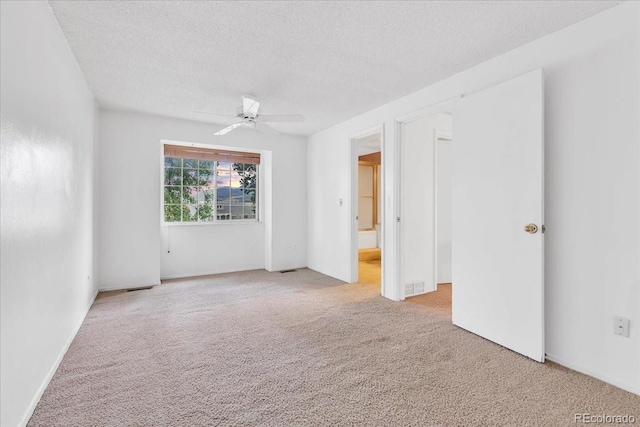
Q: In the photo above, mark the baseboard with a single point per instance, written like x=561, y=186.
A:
x=189, y=275
x=124, y=288
x=279, y=269
x=624, y=386
x=54, y=368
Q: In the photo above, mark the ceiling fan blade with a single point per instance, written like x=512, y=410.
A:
x=282, y=118
x=250, y=106
x=265, y=128
x=219, y=118
x=214, y=114
x=229, y=128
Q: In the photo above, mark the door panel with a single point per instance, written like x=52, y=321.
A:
x=497, y=189
x=365, y=197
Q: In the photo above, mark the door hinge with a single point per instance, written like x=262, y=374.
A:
x=543, y=228
x=397, y=219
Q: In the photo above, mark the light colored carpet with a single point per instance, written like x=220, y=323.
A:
x=301, y=349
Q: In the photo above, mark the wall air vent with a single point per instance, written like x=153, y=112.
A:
x=408, y=289
x=413, y=289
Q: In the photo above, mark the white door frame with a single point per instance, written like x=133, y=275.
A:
x=353, y=212
x=439, y=107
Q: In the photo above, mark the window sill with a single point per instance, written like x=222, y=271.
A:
x=213, y=223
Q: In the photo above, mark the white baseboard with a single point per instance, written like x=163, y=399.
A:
x=209, y=273
x=188, y=275
x=54, y=368
x=124, y=288
x=283, y=268
x=624, y=386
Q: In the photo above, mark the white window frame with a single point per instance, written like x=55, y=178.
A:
x=215, y=221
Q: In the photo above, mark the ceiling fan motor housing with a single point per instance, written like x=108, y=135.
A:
x=246, y=115
x=250, y=115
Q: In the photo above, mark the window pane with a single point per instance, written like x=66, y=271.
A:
x=205, y=177
x=223, y=195
x=223, y=178
x=247, y=173
x=236, y=196
x=189, y=177
x=189, y=213
x=224, y=166
x=249, y=195
x=172, y=176
x=223, y=208
x=190, y=195
x=235, y=180
x=205, y=164
x=190, y=163
x=249, y=170
x=172, y=162
x=237, y=211
x=237, y=167
x=172, y=213
x=205, y=212
x=250, y=208
x=172, y=195
x=206, y=196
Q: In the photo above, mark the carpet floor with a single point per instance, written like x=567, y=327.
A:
x=301, y=349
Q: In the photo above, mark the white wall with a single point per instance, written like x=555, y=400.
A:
x=592, y=186
x=208, y=249
x=134, y=245
x=49, y=203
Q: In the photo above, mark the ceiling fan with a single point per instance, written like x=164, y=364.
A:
x=250, y=116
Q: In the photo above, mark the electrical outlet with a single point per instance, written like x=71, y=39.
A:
x=621, y=326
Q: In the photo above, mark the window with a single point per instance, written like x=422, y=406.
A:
x=209, y=185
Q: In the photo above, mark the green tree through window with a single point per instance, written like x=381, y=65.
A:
x=248, y=179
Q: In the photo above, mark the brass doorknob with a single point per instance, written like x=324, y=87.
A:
x=531, y=228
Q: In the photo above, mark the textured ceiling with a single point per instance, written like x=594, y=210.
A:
x=327, y=60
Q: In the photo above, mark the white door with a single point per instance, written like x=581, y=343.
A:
x=497, y=190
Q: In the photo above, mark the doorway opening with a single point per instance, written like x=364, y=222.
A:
x=497, y=215
x=425, y=205
x=367, y=226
